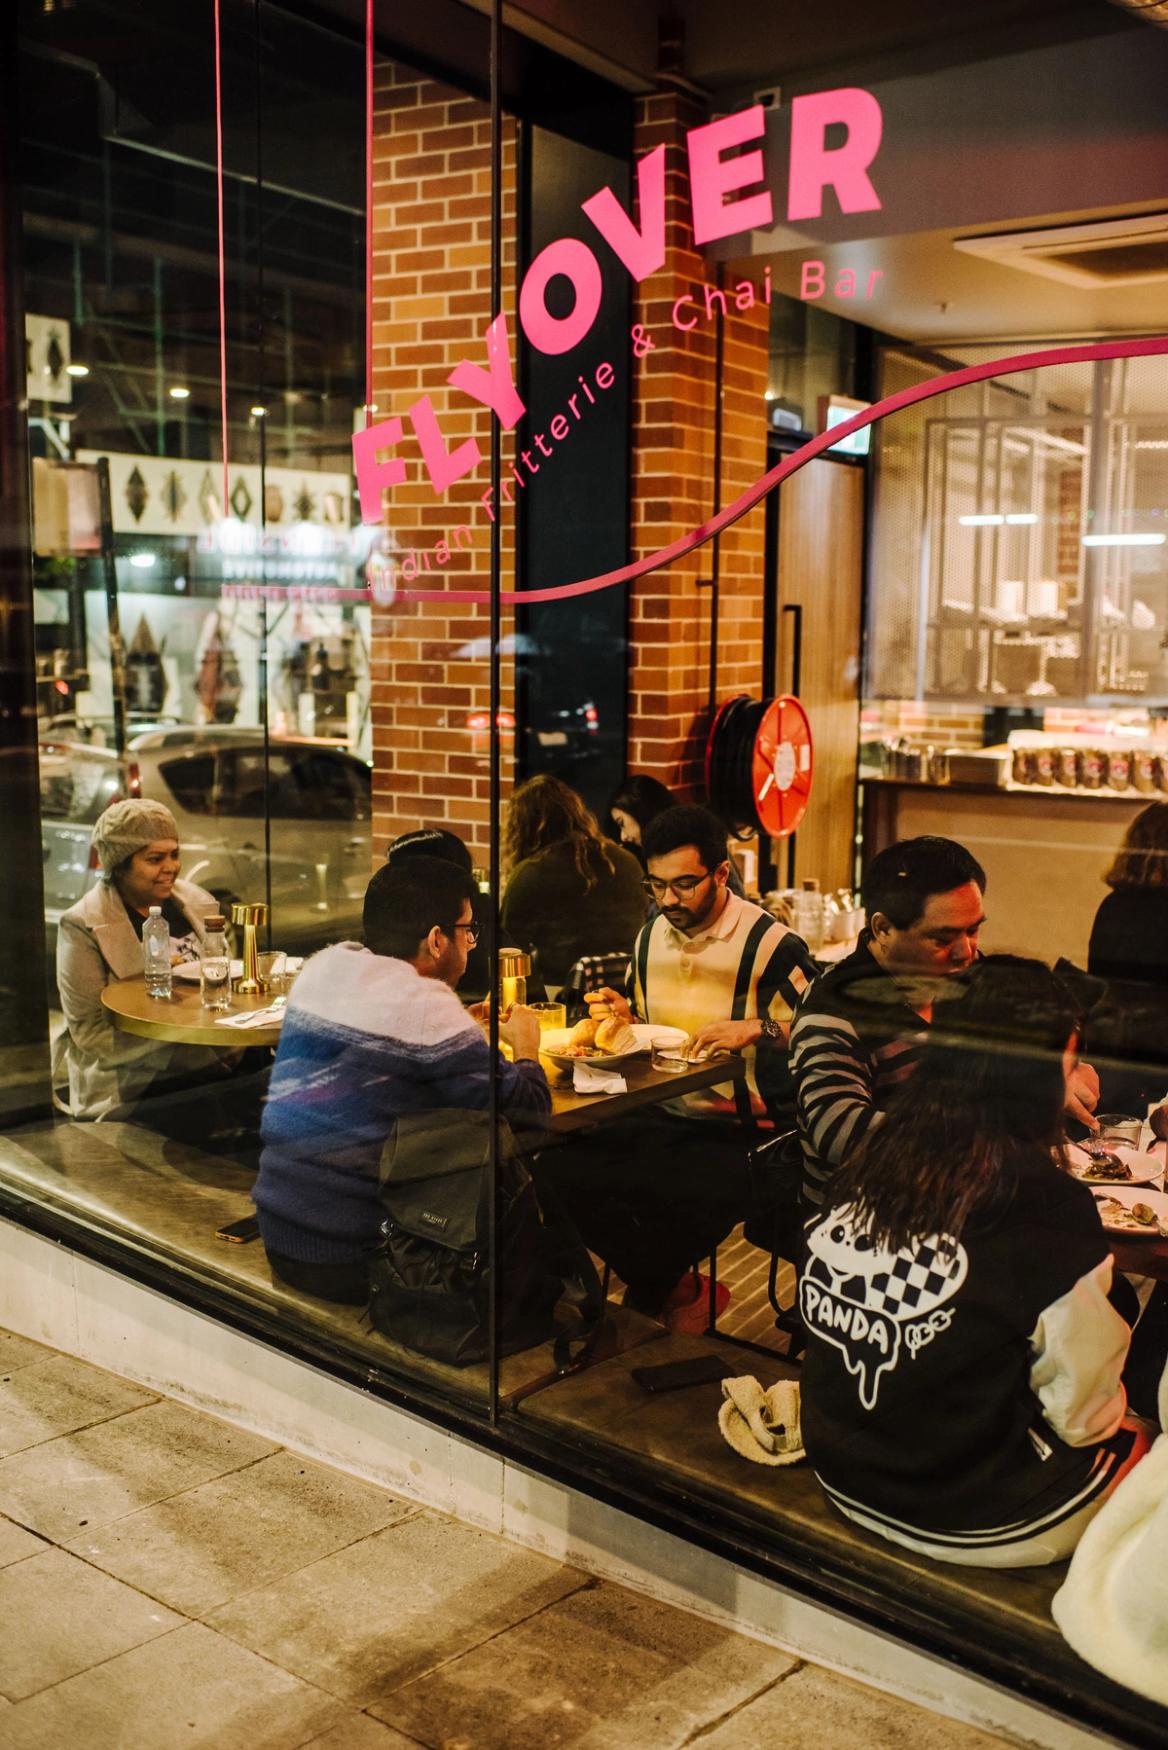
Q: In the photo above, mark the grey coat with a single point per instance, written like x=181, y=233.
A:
x=104, y=1068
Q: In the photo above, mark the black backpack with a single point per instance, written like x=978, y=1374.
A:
x=430, y=1280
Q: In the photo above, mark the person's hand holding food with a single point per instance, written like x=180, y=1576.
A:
x=723, y=1036
x=1082, y=1095
x=605, y=1002
x=519, y=1029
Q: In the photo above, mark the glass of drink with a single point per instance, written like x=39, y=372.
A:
x=272, y=964
x=550, y=1015
x=1119, y=1127
x=670, y=1059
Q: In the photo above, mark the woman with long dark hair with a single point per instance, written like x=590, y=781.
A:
x=639, y=800
x=1129, y=948
x=961, y=1390
x=570, y=891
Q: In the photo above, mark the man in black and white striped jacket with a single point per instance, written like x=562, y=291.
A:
x=860, y=1029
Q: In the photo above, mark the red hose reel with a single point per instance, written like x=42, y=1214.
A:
x=760, y=764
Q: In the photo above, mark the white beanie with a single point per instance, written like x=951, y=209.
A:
x=126, y=827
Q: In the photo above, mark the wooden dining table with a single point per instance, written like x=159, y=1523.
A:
x=646, y=1086
x=181, y=1017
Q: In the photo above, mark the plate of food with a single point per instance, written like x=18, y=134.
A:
x=1136, y=1213
x=605, y=1042
x=1117, y=1164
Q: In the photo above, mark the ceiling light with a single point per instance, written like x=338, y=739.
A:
x=142, y=560
x=1124, y=540
x=178, y=393
x=77, y=370
x=1022, y=516
x=980, y=522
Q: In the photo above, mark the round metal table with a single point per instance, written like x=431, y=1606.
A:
x=181, y=1017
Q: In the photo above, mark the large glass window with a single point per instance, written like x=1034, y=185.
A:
x=449, y=610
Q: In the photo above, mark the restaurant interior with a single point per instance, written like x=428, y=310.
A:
x=951, y=621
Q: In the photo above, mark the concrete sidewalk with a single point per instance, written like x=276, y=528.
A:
x=167, y=1580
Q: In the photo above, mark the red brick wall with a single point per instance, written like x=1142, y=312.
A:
x=673, y=482
x=431, y=307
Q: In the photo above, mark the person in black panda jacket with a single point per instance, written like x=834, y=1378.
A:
x=961, y=1387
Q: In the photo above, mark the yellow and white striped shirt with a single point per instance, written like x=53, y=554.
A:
x=746, y=965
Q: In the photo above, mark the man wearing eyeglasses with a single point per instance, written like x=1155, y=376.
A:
x=655, y=1194
x=372, y=1034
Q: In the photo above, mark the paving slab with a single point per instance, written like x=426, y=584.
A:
x=19, y=1352
x=188, y=1690
x=365, y=1621
x=89, y=1478
x=204, y=1546
x=16, y=1543
x=62, y=1616
x=360, y=1732
x=603, y=1669
x=55, y=1395
x=815, y=1708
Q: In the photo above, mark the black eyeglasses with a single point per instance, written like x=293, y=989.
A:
x=473, y=932
x=683, y=886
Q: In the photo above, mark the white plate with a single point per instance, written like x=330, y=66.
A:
x=189, y=969
x=1146, y=1169
x=554, y=1041
x=1128, y=1195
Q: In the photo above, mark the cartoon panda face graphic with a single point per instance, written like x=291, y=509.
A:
x=850, y=1257
x=861, y=1297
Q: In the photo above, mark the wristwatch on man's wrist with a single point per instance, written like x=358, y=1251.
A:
x=771, y=1029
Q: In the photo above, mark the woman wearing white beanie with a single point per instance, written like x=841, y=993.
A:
x=1113, y=1605
x=100, y=938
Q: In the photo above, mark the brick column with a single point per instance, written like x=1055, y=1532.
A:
x=431, y=308
x=673, y=475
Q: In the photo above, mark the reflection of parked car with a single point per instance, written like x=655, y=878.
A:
x=319, y=803
x=559, y=725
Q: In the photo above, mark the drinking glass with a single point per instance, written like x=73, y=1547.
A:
x=1119, y=1127
x=272, y=964
x=550, y=1015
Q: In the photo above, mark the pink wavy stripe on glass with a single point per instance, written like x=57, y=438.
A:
x=1029, y=361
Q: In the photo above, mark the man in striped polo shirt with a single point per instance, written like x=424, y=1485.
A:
x=653, y=1195
x=859, y=1032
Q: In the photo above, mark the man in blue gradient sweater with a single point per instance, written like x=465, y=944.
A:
x=372, y=1034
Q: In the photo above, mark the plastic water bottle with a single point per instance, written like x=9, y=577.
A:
x=214, y=964
x=807, y=918
x=156, y=953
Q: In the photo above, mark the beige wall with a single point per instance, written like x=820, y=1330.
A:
x=1044, y=858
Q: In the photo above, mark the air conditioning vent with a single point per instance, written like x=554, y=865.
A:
x=1105, y=252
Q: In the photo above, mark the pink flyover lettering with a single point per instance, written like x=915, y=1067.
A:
x=746, y=501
